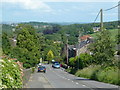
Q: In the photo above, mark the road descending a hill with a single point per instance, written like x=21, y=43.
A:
x=58, y=78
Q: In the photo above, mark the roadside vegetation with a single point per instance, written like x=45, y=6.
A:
x=11, y=74
x=101, y=65
x=45, y=41
x=96, y=72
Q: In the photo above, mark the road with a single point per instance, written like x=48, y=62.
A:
x=58, y=78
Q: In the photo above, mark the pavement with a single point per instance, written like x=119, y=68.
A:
x=58, y=78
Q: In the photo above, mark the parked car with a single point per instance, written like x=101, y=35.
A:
x=56, y=65
x=42, y=69
x=55, y=62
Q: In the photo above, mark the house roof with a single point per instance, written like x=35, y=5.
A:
x=85, y=37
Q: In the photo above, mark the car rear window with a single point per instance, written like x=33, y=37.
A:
x=41, y=67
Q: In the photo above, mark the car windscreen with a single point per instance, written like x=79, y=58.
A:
x=57, y=64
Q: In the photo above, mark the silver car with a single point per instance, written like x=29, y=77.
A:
x=56, y=65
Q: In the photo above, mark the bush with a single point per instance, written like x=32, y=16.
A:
x=33, y=69
x=11, y=76
x=86, y=59
x=71, y=70
x=87, y=72
x=72, y=61
x=107, y=75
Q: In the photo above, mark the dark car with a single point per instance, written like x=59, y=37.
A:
x=42, y=69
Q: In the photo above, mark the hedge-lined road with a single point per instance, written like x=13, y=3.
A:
x=58, y=78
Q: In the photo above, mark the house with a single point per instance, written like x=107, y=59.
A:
x=71, y=51
x=96, y=29
x=86, y=38
x=81, y=47
x=13, y=42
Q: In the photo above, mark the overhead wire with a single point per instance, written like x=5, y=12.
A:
x=112, y=7
x=96, y=17
x=104, y=10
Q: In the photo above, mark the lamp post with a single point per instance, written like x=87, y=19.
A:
x=67, y=48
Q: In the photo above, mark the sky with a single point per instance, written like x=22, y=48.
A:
x=57, y=10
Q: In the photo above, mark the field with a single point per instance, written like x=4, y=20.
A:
x=113, y=32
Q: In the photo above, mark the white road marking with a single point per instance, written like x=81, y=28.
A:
x=68, y=79
x=84, y=85
x=77, y=83
x=72, y=81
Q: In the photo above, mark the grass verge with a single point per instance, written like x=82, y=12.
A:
x=96, y=72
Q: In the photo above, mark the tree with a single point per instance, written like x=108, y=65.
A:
x=79, y=63
x=103, y=48
x=118, y=42
x=86, y=58
x=29, y=44
x=6, y=46
x=72, y=62
x=50, y=56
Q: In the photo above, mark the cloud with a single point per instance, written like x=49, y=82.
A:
x=30, y=4
x=80, y=0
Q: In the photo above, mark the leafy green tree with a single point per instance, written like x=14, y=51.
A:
x=118, y=37
x=103, y=49
x=86, y=58
x=72, y=62
x=50, y=56
x=58, y=58
x=118, y=42
x=28, y=42
x=79, y=63
x=6, y=46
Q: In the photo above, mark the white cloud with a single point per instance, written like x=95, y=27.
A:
x=30, y=4
x=80, y=0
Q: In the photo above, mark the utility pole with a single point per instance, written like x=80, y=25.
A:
x=101, y=20
x=67, y=50
x=79, y=37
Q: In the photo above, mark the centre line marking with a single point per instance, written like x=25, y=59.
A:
x=77, y=83
x=83, y=85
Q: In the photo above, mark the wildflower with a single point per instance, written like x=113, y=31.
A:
x=14, y=65
x=4, y=86
x=8, y=76
x=1, y=60
x=9, y=61
x=2, y=66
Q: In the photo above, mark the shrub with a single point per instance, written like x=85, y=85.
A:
x=72, y=61
x=11, y=76
x=71, y=70
x=86, y=58
x=33, y=69
x=107, y=75
x=87, y=72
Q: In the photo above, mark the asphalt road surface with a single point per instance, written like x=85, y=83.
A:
x=58, y=78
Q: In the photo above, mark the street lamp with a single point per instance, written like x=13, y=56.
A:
x=67, y=48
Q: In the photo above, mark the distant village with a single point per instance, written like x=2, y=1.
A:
x=73, y=50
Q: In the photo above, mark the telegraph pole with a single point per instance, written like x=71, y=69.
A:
x=67, y=50
x=101, y=20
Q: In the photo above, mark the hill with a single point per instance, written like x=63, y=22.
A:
x=113, y=32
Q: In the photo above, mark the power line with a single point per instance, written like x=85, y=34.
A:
x=96, y=17
x=105, y=10
x=112, y=7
